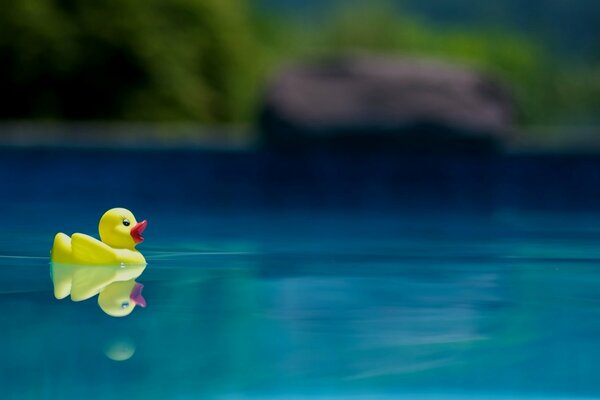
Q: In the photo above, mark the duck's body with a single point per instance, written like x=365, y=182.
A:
x=119, y=233
x=84, y=249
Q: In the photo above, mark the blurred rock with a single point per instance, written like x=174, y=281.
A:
x=370, y=102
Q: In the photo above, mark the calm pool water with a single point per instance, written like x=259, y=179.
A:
x=291, y=287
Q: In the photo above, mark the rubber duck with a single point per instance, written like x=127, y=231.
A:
x=119, y=234
x=118, y=292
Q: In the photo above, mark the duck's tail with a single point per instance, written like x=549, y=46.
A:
x=61, y=249
x=59, y=255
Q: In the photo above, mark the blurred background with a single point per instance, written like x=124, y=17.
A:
x=205, y=66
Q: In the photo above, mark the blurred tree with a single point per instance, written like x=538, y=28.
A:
x=95, y=59
x=568, y=26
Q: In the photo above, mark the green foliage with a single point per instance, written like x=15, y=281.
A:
x=176, y=59
x=207, y=60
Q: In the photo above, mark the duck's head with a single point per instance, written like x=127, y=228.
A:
x=119, y=229
x=120, y=298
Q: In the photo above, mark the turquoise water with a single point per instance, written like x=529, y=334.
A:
x=316, y=304
x=344, y=276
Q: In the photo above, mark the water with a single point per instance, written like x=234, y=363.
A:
x=251, y=298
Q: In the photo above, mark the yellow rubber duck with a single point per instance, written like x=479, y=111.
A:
x=119, y=233
x=118, y=292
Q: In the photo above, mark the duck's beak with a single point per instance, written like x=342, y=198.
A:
x=136, y=295
x=136, y=231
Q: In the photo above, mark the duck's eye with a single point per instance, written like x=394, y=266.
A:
x=125, y=304
x=126, y=222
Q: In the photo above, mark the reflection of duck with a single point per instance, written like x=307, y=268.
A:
x=120, y=298
x=119, y=232
x=115, y=284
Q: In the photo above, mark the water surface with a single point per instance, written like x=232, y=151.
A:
x=285, y=305
x=308, y=281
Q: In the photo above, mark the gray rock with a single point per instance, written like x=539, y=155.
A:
x=382, y=102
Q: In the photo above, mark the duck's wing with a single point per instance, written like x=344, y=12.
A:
x=88, y=281
x=89, y=250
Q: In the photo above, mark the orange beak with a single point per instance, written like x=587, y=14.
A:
x=136, y=231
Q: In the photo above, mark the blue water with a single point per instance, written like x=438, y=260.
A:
x=463, y=280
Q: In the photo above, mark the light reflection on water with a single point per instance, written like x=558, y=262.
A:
x=333, y=313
